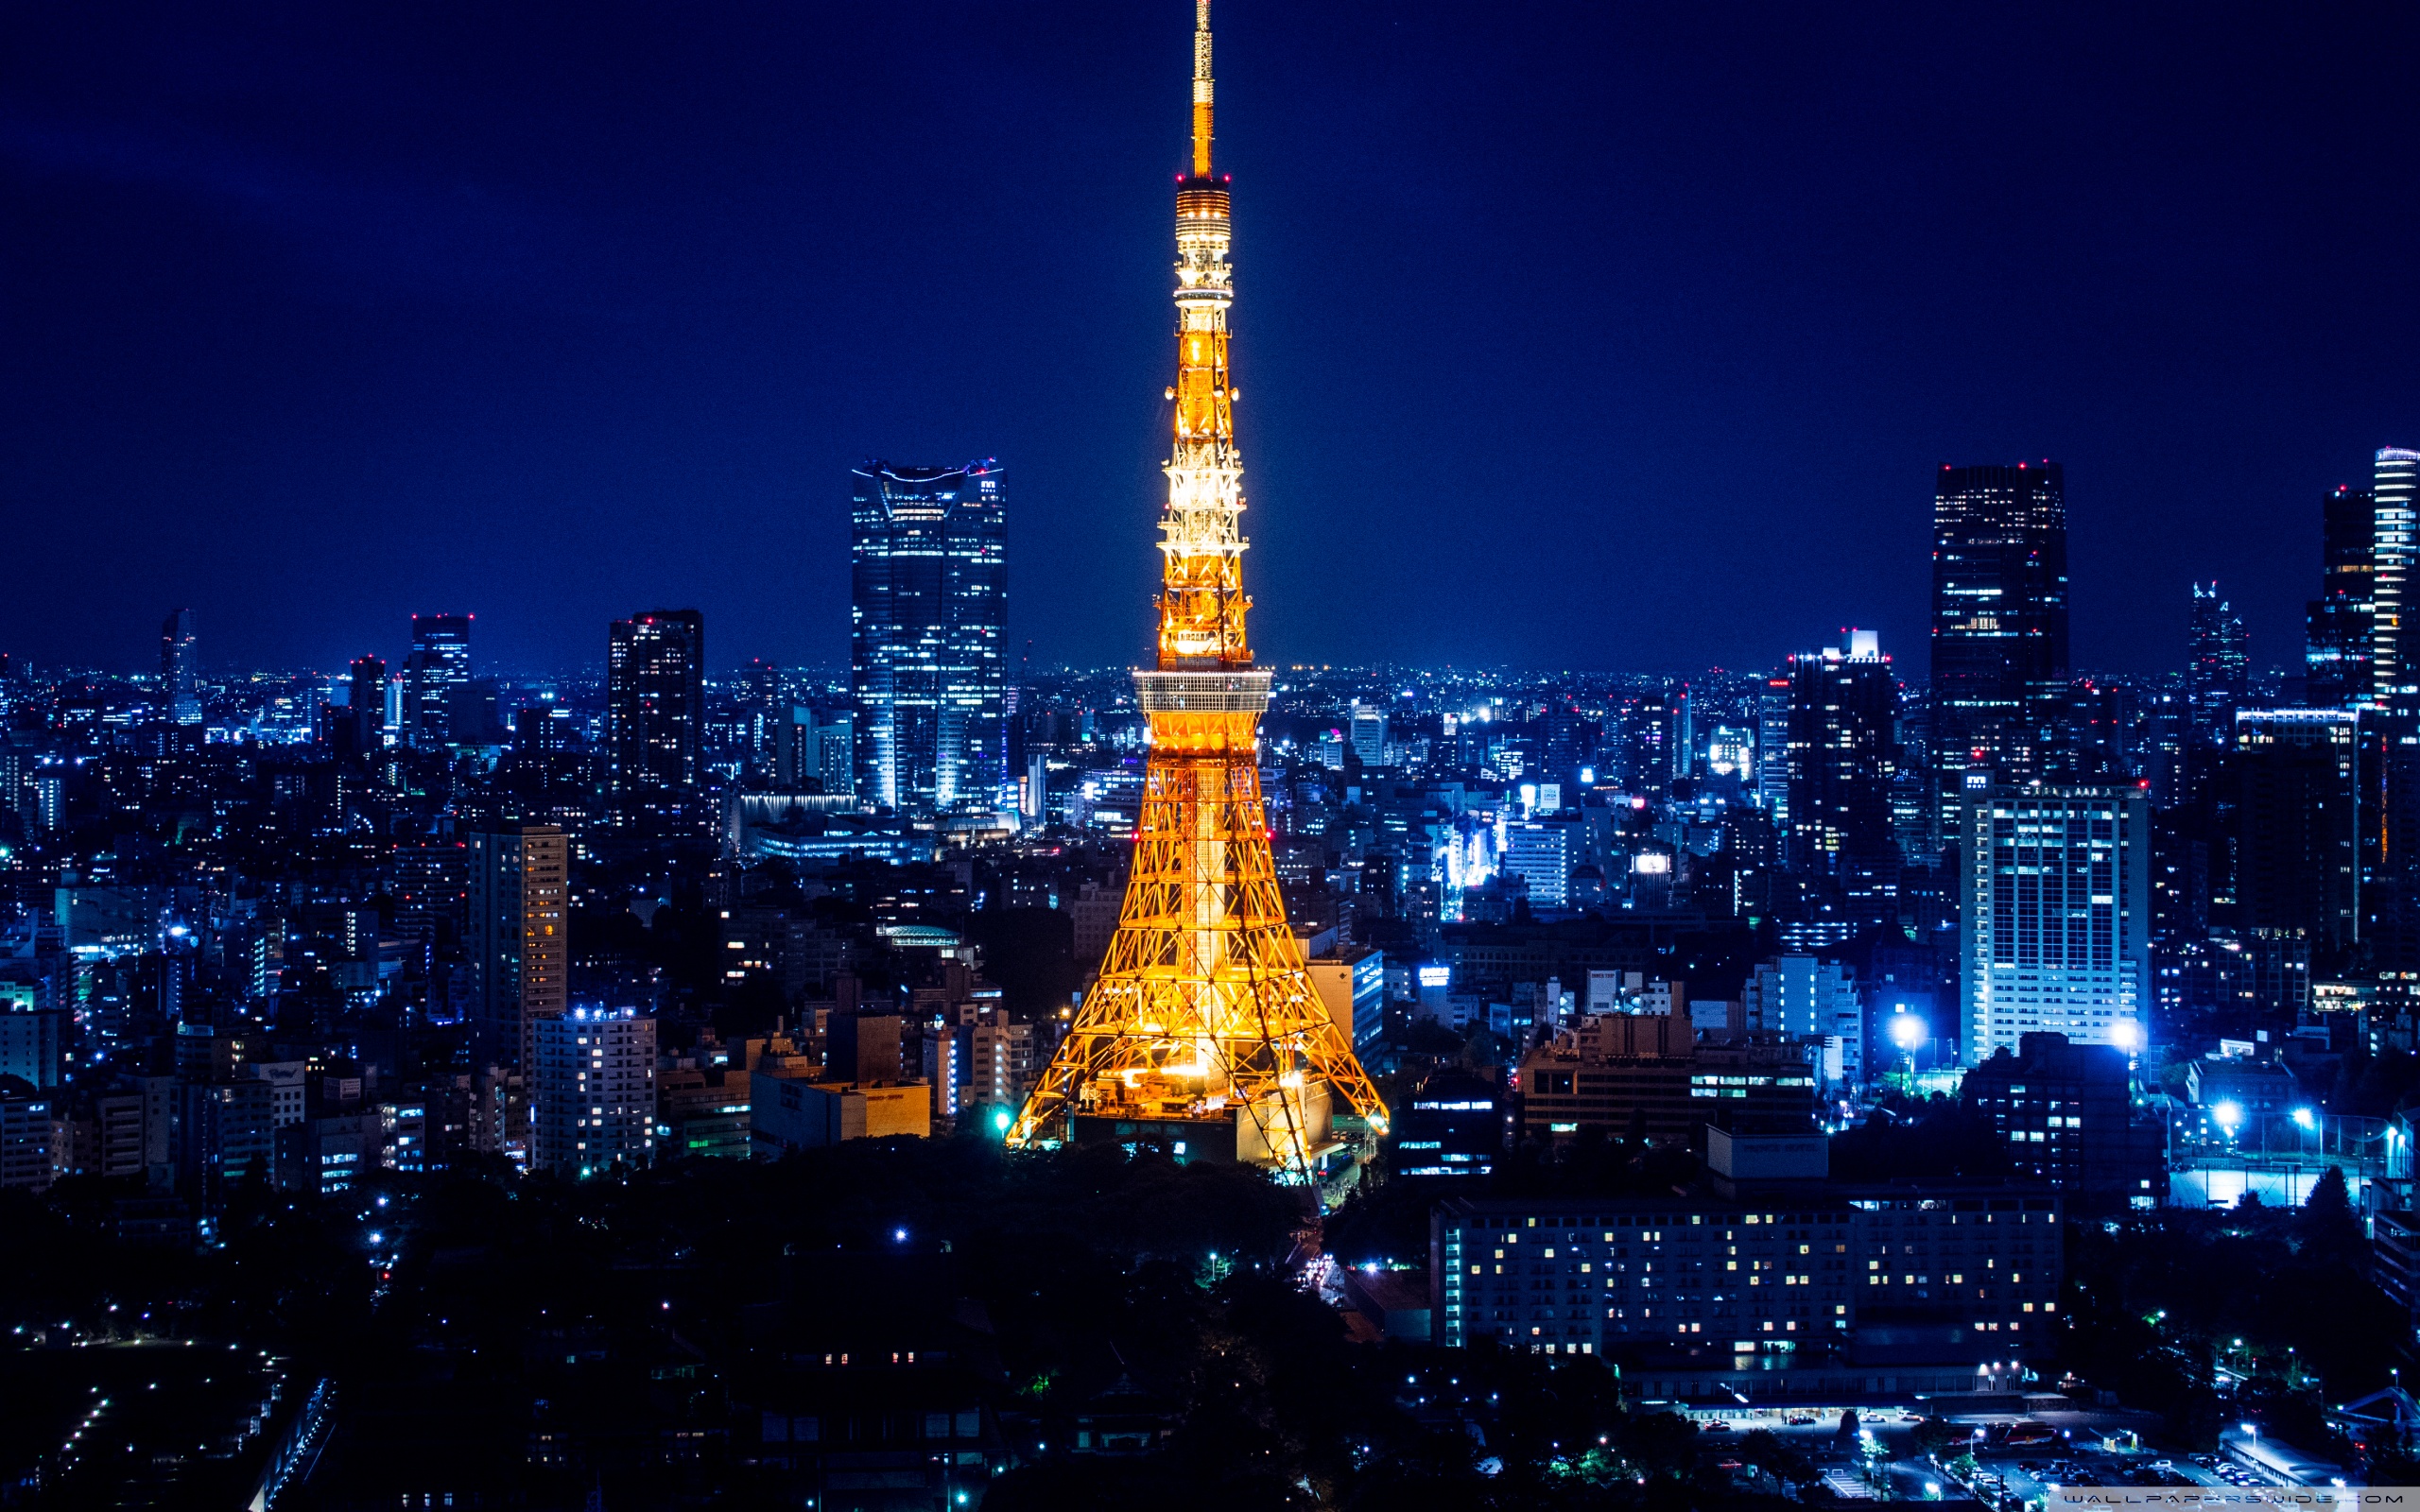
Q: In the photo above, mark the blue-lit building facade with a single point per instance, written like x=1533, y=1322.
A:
x=2055, y=917
x=438, y=664
x=927, y=610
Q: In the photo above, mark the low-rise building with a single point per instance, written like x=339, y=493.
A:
x=702, y=1112
x=2068, y=1115
x=1862, y=1280
x=1647, y=1075
x=2394, y=1262
x=787, y=1114
x=27, y=1132
x=1454, y=1126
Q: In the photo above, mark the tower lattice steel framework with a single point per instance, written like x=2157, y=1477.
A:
x=1204, y=1014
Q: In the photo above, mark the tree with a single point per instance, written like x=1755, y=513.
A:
x=2327, y=1228
x=1934, y=1434
x=1764, y=1449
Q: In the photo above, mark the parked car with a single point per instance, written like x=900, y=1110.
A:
x=1715, y=1425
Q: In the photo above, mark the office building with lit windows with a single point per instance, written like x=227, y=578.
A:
x=2293, y=781
x=1808, y=1288
x=2000, y=622
x=2069, y=1117
x=1539, y=852
x=927, y=604
x=655, y=715
x=438, y=664
x=2054, y=934
x=1842, y=756
x=2336, y=624
x=592, y=1092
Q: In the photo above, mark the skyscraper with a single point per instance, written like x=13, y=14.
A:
x=928, y=609
x=1773, y=749
x=519, y=942
x=1843, y=752
x=2297, y=836
x=2218, y=666
x=2336, y=652
x=655, y=715
x=2395, y=485
x=2054, y=933
x=177, y=689
x=366, y=702
x=440, y=664
x=1999, y=621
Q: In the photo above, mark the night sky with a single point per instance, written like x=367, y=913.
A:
x=1568, y=336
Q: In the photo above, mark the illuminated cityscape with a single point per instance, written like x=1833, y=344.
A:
x=1795, y=893
x=1204, y=1026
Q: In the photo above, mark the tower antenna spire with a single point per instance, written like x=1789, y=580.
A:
x=1201, y=89
x=1204, y=1022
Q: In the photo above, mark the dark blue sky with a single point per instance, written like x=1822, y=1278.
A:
x=1569, y=334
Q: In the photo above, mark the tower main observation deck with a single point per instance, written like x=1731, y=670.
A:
x=1204, y=1023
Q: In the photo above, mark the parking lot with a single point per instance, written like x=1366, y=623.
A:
x=2074, y=1448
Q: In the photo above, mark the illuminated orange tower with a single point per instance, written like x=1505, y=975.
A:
x=1204, y=1019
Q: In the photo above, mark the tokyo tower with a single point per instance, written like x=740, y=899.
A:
x=1204, y=1024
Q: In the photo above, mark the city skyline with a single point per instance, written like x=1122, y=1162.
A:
x=1263, y=1071
x=495, y=331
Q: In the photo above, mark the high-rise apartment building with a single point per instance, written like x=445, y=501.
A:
x=438, y=664
x=178, y=688
x=927, y=610
x=655, y=715
x=592, y=1092
x=2054, y=934
x=2336, y=653
x=2218, y=666
x=2394, y=486
x=1999, y=621
x=519, y=956
x=1844, y=751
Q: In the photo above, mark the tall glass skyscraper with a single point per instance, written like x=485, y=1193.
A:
x=928, y=613
x=2218, y=666
x=440, y=662
x=2336, y=653
x=2397, y=480
x=177, y=689
x=2000, y=622
x=1843, y=752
